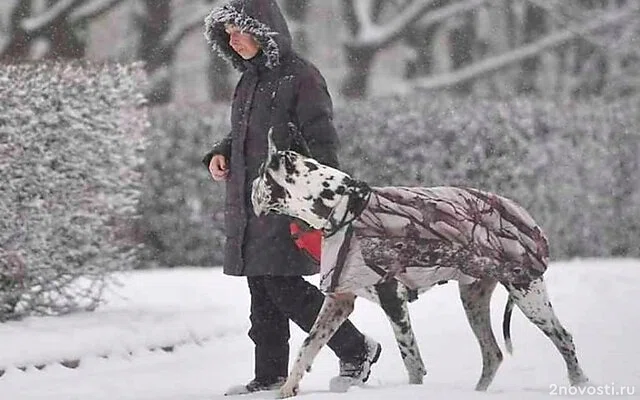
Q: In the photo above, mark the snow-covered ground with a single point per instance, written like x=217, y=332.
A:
x=200, y=317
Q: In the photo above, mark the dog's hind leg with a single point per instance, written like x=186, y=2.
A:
x=335, y=310
x=533, y=301
x=393, y=297
x=476, y=299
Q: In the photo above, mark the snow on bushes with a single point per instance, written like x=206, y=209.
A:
x=571, y=164
x=181, y=206
x=567, y=162
x=71, y=147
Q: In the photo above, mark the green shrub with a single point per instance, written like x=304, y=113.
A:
x=71, y=141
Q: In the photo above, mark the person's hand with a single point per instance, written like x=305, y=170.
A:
x=218, y=168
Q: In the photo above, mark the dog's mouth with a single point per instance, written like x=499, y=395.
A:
x=257, y=198
x=261, y=199
x=259, y=208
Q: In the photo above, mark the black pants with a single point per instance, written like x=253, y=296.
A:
x=274, y=301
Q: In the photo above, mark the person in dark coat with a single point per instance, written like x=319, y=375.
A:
x=277, y=87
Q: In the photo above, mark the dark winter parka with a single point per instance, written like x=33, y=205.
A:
x=276, y=87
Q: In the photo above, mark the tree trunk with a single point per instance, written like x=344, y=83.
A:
x=590, y=64
x=66, y=40
x=19, y=42
x=512, y=25
x=501, y=37
x=359, y=62
x=461, y=39
x=358, y=59
x=534, y=28
x=154, y=24
x=421, y=40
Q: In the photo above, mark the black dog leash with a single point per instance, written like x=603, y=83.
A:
x=342, y=258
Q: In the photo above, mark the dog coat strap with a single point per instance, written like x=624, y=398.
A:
x=342, y=257
x=356, y=204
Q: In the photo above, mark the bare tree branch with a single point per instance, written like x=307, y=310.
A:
x=185, y=24
x=16, y=42
x=363, y=12
x=93, y=9
x=60, y=10
x=376, y=36
x=370, y=34
x=493, y=64
x=620, y=47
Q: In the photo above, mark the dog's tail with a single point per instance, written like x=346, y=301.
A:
x=506, y=324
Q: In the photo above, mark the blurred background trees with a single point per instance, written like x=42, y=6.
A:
x=365, y=47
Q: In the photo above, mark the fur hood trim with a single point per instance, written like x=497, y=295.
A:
x=273, y=36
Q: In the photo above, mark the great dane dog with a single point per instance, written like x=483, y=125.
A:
x=383, y=242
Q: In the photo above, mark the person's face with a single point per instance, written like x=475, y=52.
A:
x=242, y=43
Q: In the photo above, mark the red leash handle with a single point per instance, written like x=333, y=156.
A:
x=309, y=241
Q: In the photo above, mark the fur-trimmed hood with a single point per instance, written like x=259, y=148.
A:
x=261, y=18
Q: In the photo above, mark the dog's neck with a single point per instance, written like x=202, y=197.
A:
x=348, y=208
x=334, y=209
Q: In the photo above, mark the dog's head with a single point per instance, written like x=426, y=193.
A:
x=291, y=184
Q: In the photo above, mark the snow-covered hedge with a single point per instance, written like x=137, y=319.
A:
x=573, y=165
x=71, y=148
x=181, y=206
x=570, y=164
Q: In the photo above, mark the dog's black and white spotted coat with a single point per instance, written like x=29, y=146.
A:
x=329, y=199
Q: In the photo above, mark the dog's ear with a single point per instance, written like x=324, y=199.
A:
x=272, y=150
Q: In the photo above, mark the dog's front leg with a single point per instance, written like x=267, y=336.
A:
x=335, y=310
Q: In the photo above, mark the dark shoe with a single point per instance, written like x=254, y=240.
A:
x=356, y=372
x=256, y=385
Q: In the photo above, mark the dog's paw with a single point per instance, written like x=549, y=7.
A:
x=340, y=384
x=581, y=380
x=415, y=379
x=287, y=390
